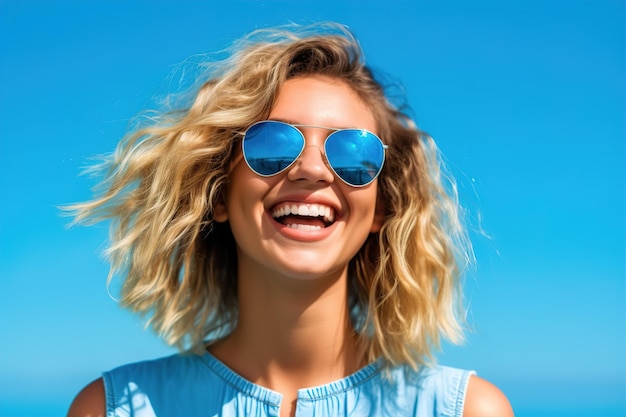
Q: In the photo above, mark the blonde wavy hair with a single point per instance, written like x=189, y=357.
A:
x=161, y=186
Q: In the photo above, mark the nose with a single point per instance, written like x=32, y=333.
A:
x=311, y=167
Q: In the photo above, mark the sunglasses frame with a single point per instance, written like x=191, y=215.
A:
x=333, y=131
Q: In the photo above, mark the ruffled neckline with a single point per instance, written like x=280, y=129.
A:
x=269, y=396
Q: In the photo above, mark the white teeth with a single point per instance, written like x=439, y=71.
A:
x=309, y=210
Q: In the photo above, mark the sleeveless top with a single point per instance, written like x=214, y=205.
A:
x=185, y=385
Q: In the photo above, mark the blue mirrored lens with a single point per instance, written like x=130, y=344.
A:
x=356, y=156
x=270, y=147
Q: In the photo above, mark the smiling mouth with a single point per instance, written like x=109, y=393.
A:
x=306, y=217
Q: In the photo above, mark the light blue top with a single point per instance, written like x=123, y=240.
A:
x=192, y=385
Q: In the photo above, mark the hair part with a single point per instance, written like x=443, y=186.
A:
x=162, y=184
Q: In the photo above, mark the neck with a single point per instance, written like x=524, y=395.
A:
x=291, y=333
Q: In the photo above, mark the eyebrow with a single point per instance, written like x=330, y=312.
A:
x=278, y=119
x=292, y=122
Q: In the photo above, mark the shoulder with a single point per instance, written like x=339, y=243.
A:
x=484, y=399
x=172, y=385
x=122, y=382
x=447, y=391
x=90, y=402
x=428, y=391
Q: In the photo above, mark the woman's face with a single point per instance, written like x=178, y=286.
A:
x=303, y=246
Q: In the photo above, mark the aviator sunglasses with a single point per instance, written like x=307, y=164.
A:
x=356, y=156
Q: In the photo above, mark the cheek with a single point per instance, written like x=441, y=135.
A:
x=246, y=192
x=364, y=203
x=379, y=217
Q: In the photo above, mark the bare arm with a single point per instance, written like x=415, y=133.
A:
x=90, y=402
x=484, y=399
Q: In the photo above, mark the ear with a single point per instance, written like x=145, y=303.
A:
x=220, y=213
x=379, y=217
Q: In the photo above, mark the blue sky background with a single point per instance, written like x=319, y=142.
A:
x=525, y=98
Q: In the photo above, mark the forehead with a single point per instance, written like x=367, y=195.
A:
x=322, y=101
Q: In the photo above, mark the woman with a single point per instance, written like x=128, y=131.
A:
x=290, y=233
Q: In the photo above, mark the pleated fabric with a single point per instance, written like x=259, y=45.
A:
x=185, y=385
